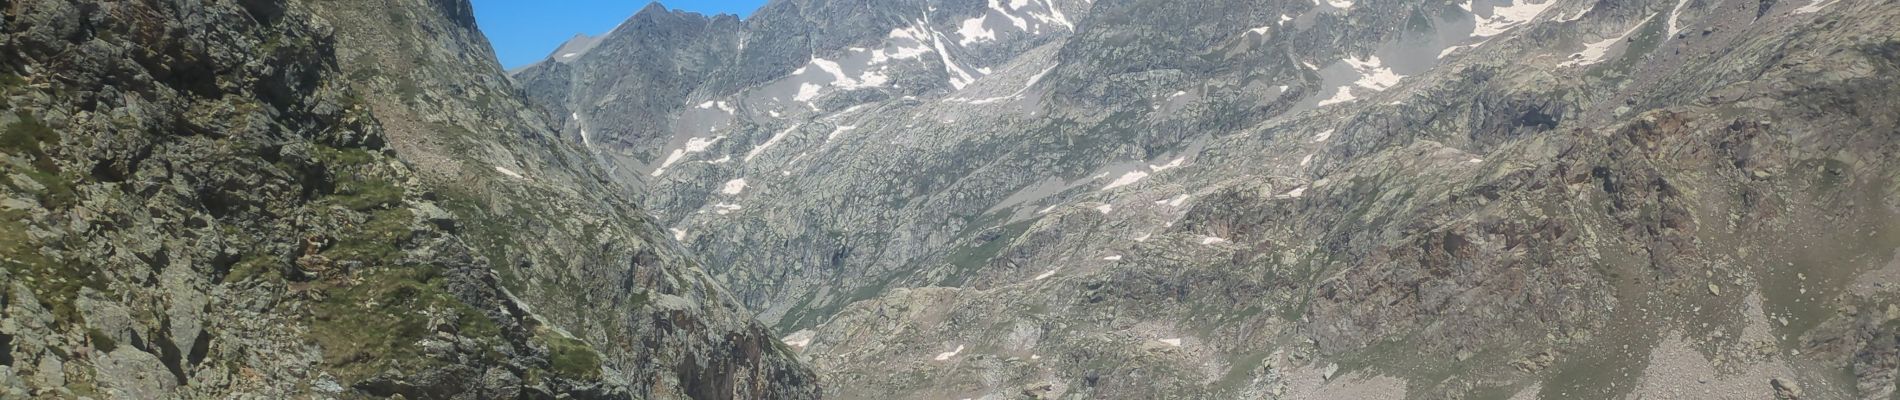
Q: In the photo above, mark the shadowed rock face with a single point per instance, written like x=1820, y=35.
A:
x=288, y=199
x=1279, y=199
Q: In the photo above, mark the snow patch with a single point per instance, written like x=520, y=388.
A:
x=678, y=235
x=838, y=130
x=693, y=145
x=1373, y=74
x=1177, y=201
x=734, y=187
x=510, y=173
x=1503, y=18
x=1210, y=240
x=1170, y=165
x=1105, y=208
x=799, y=339
x=726, y=208
x=1814, y=7
x=1046, y=275
x=1306, y=160
x=1340, y=4
x=1112, y=258
x=1595, y=52
x=1323, y=136
x=1675, y=16
x=1126, y=179
x=1344, y=94
x=769, y=142
x=946, y=355
x=1296, y=193
x=1176, y=342
x=973, y=31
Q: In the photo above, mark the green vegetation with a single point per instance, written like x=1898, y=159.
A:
x=252, y=266
x=355, y=188
x=8, y=82
x=377, y=240
x=101, y=341
x=375, y=324
x=571, y=358
x=29, y=137
x=55, y=283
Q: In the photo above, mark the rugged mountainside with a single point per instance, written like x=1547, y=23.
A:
x=1278, y=198
x=327, y=198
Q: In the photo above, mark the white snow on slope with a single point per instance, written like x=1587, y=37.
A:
x=1212, y=240
x=1112, y=258
x=1019, y=92
x=1126, y=179
x=1373, y=74
x=1503, y=18
x=1814, y=7
x=693, y=145
x=1676, y=15
x=769, y=142
x=1340, y=4
x=1170, y=165
x=946, y=355
x=799, y=339
x=1323, y=136
x=1177, y=201
x=973, y=31
x=1176, y=342
x=1340, y=95
x=1105, y=208
x=838, y=130
x=1595, y=52
x=510, y=173
x=734, y=187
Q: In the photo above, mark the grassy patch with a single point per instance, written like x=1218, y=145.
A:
x=375, y=324
x=253, y=266
x=355, y=187
x=571, y=358
x=101, y=341
x=29, y=137
x=55, y=283
x=376, y=240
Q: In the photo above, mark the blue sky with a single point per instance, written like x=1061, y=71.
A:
x=525, y=31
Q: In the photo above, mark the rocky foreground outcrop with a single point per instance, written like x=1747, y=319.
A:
x=296, y=199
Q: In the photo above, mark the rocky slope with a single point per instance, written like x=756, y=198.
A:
x=323, y=199
x=1279, y=198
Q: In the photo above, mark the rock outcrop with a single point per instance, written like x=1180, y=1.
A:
x=323, y=199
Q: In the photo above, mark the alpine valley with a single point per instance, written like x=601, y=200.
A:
x=955, y=199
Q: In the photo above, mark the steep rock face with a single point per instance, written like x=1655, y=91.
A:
x=291, y=199
x=1294, y=199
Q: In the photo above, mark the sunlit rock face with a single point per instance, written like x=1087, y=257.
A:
x=327, y=199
